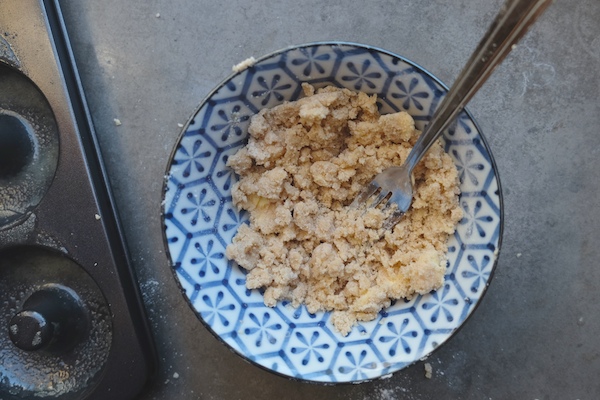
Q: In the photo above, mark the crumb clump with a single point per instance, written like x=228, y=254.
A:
x=303, y=165
x=428, y=370
x=247, y=63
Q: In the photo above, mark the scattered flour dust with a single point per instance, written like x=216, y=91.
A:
x=304, y=164
x=149, y=290
x=388, y=394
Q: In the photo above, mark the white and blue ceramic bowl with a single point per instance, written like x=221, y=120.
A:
x=200, y=221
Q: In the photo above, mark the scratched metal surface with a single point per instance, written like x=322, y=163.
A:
x=537, y=331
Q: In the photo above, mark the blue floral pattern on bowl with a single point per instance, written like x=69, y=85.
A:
x=200, y=220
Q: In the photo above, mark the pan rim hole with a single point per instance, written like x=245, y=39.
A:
x=17, y=144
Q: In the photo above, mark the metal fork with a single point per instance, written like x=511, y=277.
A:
x=394, y=185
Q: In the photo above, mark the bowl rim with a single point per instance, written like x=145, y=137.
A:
x=203, y=102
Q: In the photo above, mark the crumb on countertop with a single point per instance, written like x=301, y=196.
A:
x=428, y=370
x=248, y=62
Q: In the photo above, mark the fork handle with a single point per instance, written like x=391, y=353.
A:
x=511, y=23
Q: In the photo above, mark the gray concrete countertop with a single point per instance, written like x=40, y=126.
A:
x=536, y=334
